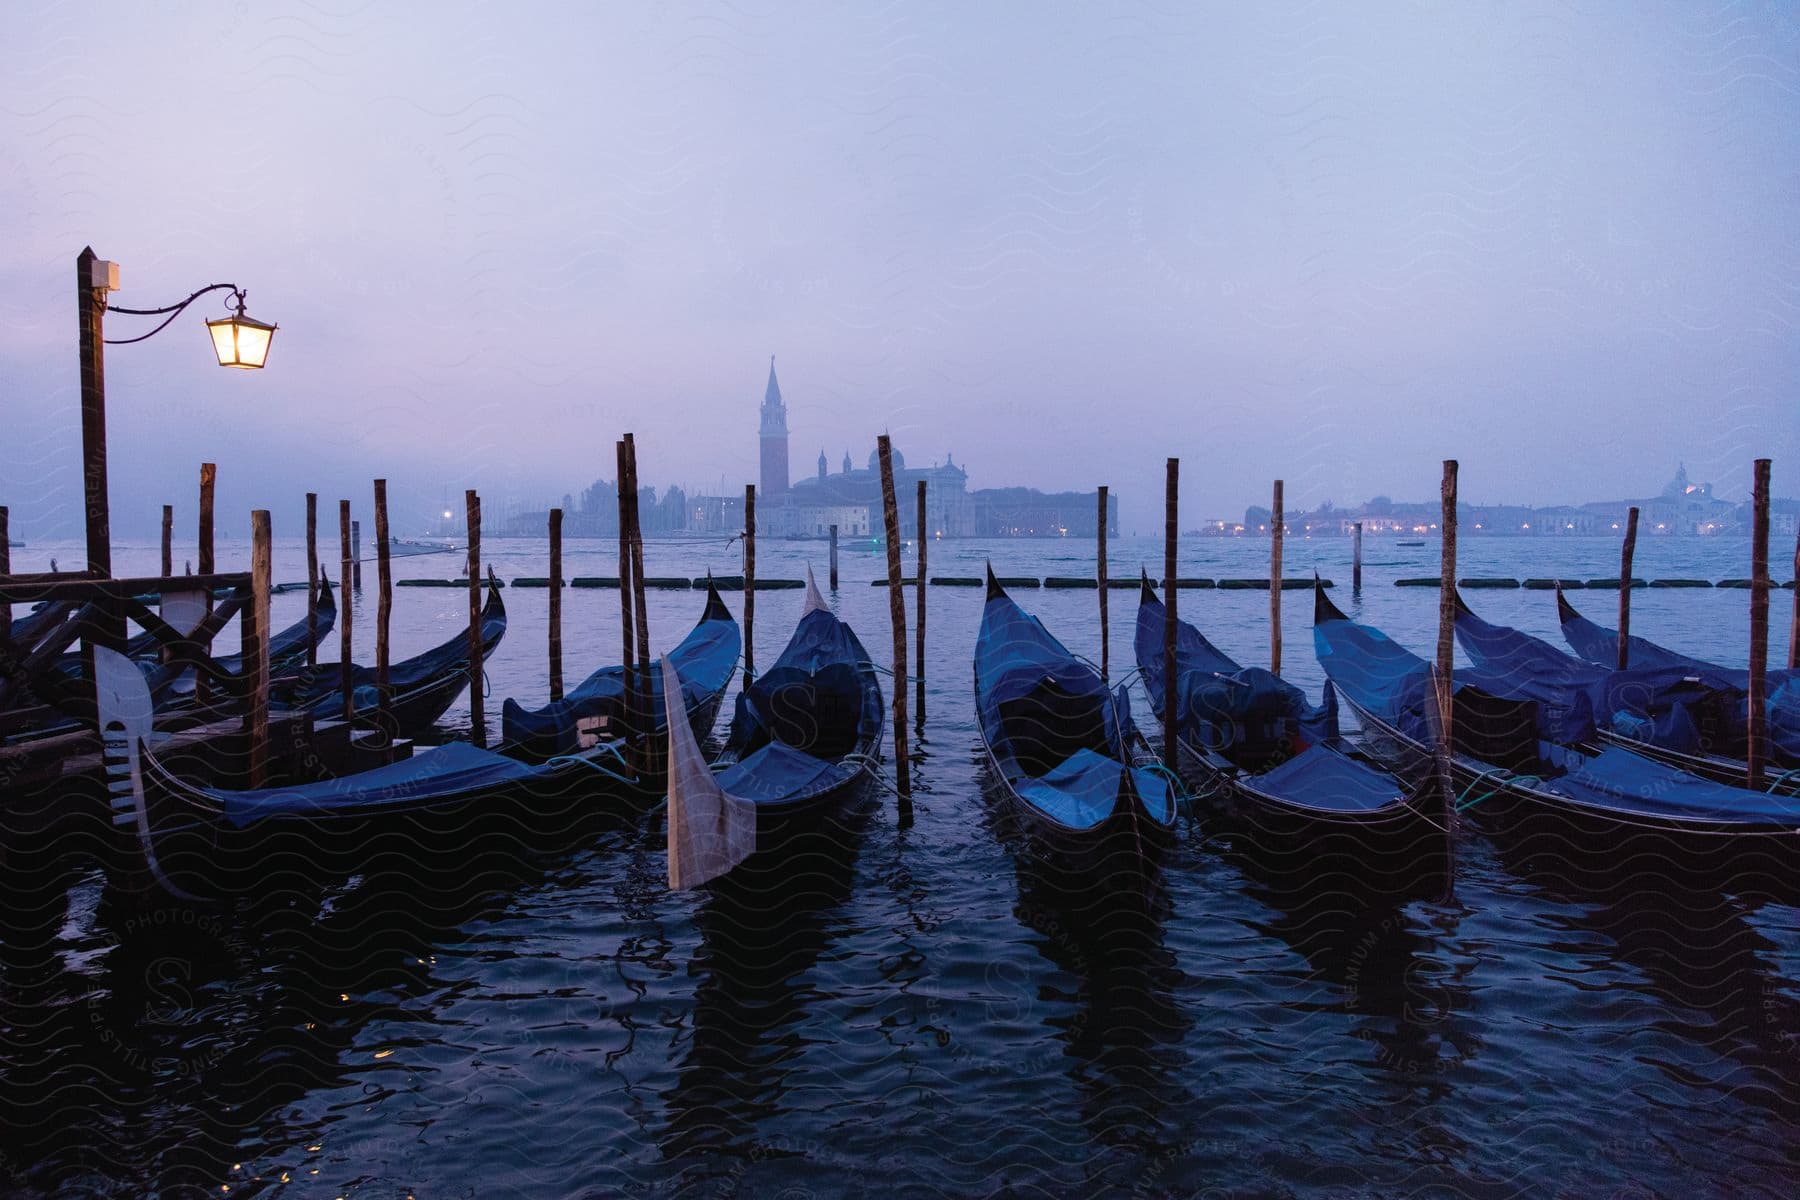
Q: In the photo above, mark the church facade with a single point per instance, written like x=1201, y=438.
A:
x=850, y=497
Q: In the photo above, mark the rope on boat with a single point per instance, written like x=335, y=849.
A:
x=872, y=763
x=1783, y=777
x=581, y=760
x=1177, y=785
x=1463, y=803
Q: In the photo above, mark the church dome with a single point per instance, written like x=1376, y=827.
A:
x=875, y=459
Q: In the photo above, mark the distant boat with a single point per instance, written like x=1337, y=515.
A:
x=1409, y=543
x=407, y=548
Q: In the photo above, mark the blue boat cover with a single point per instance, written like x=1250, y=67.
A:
x=431, y=776
x=1058, y=734
x=796, y=725
x=1651, y=704
x=1247, y=714
x=1327, y=780
x=1392, y=683
x=704, y=660
x=1619, y=781
x=1726, y=688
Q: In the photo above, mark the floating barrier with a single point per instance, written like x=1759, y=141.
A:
x=1544, y=585
x=1070, y=581
x=954, y=581
x=531, y=581
x=595, y=581
x=673, y=581
x=1011, y=581
x=1734, y=583
x=735, y=583
x=1421, y=581
x=1121, y=583
x=1612, y=585
x=1481, y=581
x=1262, y=585
x=1681, y=583
x=443, y=583
x=910, y=581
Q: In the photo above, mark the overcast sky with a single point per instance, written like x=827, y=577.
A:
x=1331, y=243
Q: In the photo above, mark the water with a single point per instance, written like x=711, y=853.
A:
x=930, y=1009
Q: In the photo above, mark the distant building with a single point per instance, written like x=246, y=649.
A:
x=1027, y=512
x=850, y=497
x=774, y=440
x=851, y=500
x=1683, y=507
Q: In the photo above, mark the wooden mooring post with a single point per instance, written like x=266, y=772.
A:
x=1446, y=651
x=1171, y=530
x=168, y=540
x=203, y=557
x=312, y=573
x=556, y=588
x=384, y=613
x=640, y=612
x=1794, y=626
x=1758, y=692
x=749, y=582
x=209, y=476
x=1100, y=570
x=626, y=592
x=1276, y=523
x=6, y=563
x=890, y=521
x=919, y=615
x=345, y=567
x=1356, y=559
x=834, y=586
x=477, y=719
x=1626, y=554
x=356, y=553
x=256, y=650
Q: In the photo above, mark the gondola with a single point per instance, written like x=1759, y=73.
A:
x=1073, y=766
x=1514, y=755
x=199, y=841
x=805, y=739
x=1715, y=746
x=1668, y=713
x=423, y=686
x=1254, y=737
x=705, y=659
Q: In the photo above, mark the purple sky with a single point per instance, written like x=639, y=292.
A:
x=1336, y=245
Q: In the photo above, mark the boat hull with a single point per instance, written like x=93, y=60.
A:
x=1537, y=822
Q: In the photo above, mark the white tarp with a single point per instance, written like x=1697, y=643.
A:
x=710, y=832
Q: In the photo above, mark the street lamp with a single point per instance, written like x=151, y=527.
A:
x=238, y=341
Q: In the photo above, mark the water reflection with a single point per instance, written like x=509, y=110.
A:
x=184, y=1034
x=762, y=929
x=1375, y=939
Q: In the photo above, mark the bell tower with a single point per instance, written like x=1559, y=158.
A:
x=774, y=438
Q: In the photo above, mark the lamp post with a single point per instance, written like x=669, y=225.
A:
x=238, y=341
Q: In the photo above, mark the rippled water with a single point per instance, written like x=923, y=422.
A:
x=921, y=1008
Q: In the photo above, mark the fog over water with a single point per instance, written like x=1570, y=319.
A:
x=1331, y=245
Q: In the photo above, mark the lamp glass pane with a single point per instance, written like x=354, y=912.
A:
x=253, y=343
x=224, y=338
